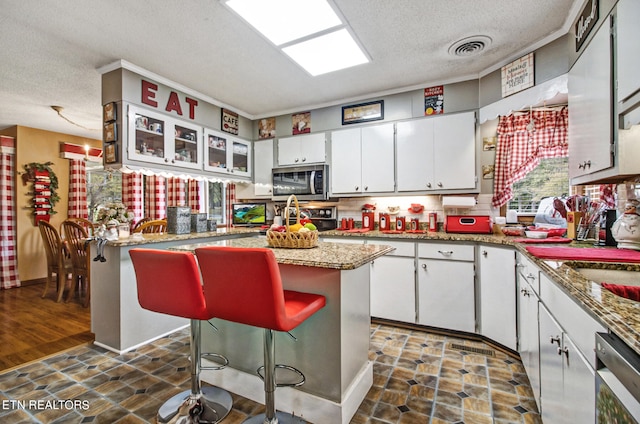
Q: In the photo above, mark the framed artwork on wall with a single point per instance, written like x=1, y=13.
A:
x=110, y=112
x=110, y=133
x=363, y=112
x=111, y=153
x=301, y=123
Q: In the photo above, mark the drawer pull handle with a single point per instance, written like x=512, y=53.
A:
x=564, y=350
x=530, y=276
x=555, y=339
x=446, y=252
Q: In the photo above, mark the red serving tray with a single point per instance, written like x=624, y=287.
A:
x=470, y=224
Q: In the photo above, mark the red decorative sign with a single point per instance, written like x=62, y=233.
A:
x=434, y=100
x=149, y=93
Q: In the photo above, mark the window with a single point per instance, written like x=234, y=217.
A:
x=549, y=179
x=216, y=201
x=102, y=187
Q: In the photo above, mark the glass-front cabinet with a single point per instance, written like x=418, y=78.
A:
x=225, y=153
x=156, y=138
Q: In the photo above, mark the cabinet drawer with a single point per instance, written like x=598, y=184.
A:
x=403, y=248
x=528, y=271
x=574, y=320
x=451, y=251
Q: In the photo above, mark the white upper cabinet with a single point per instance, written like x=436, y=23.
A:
x=301, y=149
x=437, y=153
x=159, y=139
x=628, y=53
x=590, y=105
x=362, y=160
x=227, y=154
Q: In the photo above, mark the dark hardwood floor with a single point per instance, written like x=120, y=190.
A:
x=32, y=327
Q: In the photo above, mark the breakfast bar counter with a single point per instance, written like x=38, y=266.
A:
x=331, y=347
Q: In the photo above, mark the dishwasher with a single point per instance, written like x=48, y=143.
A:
x=617, y=381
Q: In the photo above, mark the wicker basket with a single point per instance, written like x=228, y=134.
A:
x=292, y=240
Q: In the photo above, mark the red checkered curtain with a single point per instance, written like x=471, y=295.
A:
x=230, y=199
x=155, y=205
x=132, y=194
x=194, y=195
x=175, y=192
x=77, y=190
x=524, y=139
x=8, y=259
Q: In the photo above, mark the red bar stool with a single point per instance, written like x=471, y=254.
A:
x=169, y=283
x=243, y=285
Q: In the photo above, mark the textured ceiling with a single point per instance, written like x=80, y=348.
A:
x=51, y=52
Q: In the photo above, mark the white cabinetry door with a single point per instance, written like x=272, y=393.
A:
x=579, y=385
x=437, y=153
x=263, y=164
x=455, y=151
x=446, y=295
x=362, y=160
x=551, y=385
x=301, y=149
x=377, y=159
x=628, y=55
x=346, y=166
x=590, y=125
x=498, y=295
x=529, y=339
x=414, y=155
x=393, y=289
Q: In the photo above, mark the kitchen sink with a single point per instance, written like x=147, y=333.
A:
x=617, y=276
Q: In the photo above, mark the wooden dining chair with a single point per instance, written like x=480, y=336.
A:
x=76, y=240
x=58, y=260
x=85, y=223
x=156, y=226
x=139, y=223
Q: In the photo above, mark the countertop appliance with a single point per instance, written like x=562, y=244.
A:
x=471, y=224
x=309, y=182
x=617, y=381
x=323, y=217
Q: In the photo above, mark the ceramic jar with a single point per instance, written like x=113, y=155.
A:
x=626, y=229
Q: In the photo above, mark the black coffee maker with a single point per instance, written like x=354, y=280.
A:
x=605, y=238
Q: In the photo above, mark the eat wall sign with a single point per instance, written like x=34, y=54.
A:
x=185, y=107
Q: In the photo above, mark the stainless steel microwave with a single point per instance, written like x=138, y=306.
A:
x=309, y=182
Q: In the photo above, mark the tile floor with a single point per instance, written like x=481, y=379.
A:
x=418, y=378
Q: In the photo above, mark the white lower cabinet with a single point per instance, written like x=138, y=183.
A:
x=528, y=337
x=446, y=286
x=498, y=295
x=567, y=381
x=393, y=283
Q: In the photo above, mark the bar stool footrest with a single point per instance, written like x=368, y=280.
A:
x=223, y=359
x=286, y=367
x=217, y=405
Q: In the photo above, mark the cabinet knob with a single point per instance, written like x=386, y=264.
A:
x=555, y=339
x=296, y=160
x=166, y=160
x=525, y=292
x=428, y=185
x=424, y=266
x=304, y=159
x=357, y=188
x=366, y=188
x=439, y=184
x=485, y=253
x=564, y=350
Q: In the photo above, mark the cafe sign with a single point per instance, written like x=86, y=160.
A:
x=517, y=75
x=586, y=22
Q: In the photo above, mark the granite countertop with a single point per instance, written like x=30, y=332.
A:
x=326, y=255
x=160, y=238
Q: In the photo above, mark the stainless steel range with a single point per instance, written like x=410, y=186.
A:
x=323, y=217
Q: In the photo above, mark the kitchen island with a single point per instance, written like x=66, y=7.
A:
x=331, y=347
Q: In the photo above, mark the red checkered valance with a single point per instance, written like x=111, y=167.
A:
x=524, y=139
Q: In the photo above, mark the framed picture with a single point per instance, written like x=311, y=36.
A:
x=301, y=123
x=110, y=153
x=109, y=112
x=230, y=122
x=266, y=128
x=110, y=133
x=363, y=112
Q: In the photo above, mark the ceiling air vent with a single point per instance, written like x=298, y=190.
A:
x=470, y=46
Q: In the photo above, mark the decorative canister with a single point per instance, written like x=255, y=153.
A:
x=400, y=223
x=626, y=229
x=415, y=224
x=212, y=225
x=433, y=222
x=368, y=220
x=198, y=222
x=178, y=220
x=384, y=222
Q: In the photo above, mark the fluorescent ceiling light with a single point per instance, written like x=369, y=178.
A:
x=282, y=21
x=327, y=53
